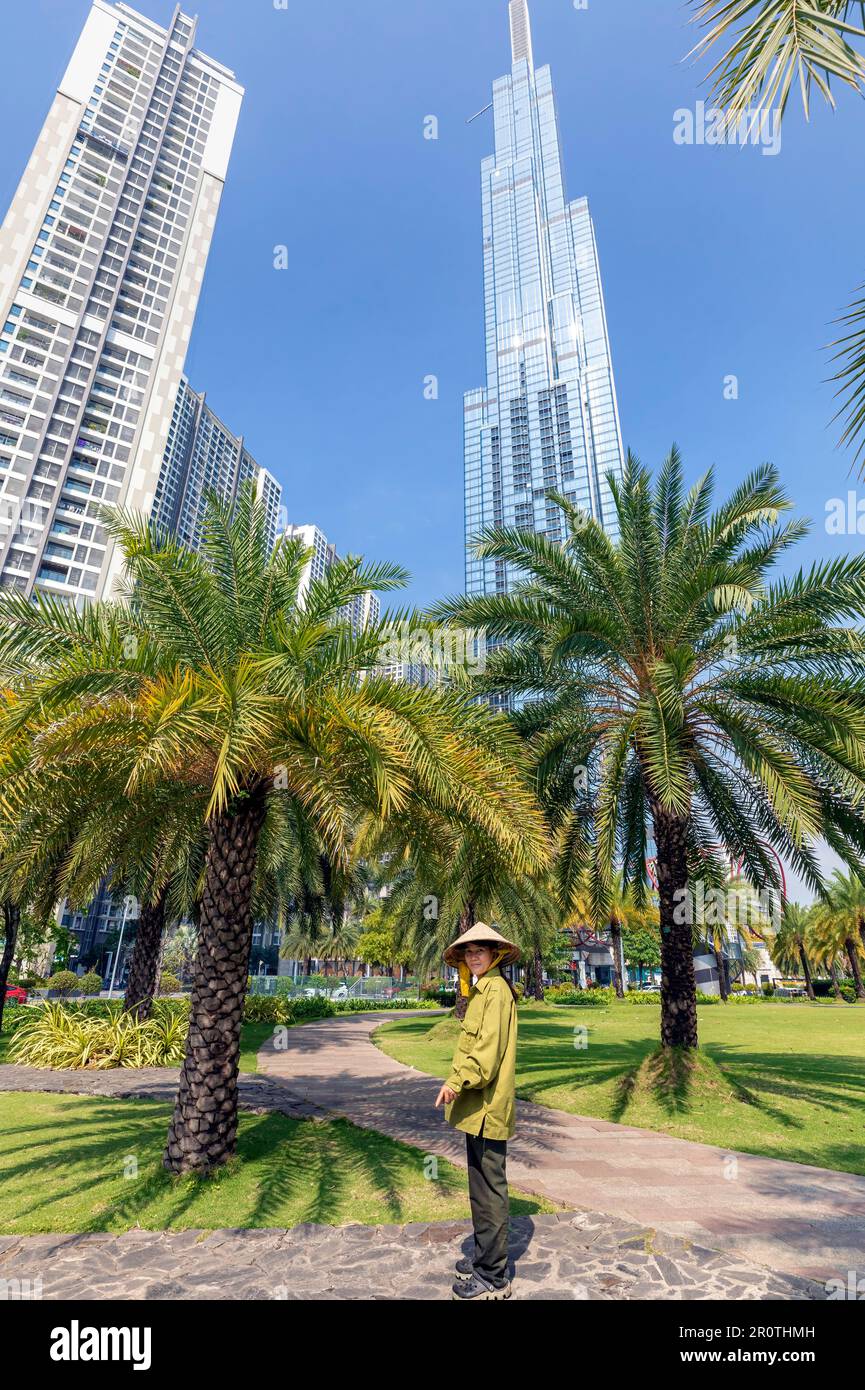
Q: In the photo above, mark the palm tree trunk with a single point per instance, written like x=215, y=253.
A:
x=806, y=971
x=11, y=923
x=616, y=937
x=142, y=983
x=678, y=986
x=853, y=956
x=203, y=1131
x=862, y=931
x=833, y=975
x=722, y=976
x=538, y=973
x=467, y=921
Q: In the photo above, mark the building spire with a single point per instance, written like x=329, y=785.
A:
x=521, y=32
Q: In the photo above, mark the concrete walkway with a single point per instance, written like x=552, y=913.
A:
x=787, y=1216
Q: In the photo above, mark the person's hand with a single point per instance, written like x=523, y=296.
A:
x=445, y=1096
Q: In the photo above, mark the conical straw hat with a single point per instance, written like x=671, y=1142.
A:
x=488, y=936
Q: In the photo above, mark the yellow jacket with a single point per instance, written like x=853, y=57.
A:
x=483, y=1070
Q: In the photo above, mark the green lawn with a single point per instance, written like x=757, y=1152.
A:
x=783, y=1080
x=252, y=1037
x=75, y=1163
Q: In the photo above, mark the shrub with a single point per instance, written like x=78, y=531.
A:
x=561, y=994
x=91, y=983
x=312, y=1008
x=639, y=996
x=352, y=1006
x=443, y=994
x=13, y=1019
x=848, y=992
x=169, y=984
x=57, y=1037
x=267, y=1008
x=597, y=998
x=767, y=989
x=64, y=982
x=703, y=998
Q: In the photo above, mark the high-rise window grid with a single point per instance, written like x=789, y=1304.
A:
x=107, y=253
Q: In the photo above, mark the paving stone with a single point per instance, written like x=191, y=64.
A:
x=573, y=1254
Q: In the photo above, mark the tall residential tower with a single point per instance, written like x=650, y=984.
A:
x=102, y=255
x=203, y=455
x=547, y=417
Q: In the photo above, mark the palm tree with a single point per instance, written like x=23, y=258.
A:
x=234, y=685
x=789, y=945
x=770, y=47
x=151, y=845
x=442, y=873
x=700, y=703
x=838, y=924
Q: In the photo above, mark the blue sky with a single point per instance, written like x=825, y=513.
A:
x=716, y=261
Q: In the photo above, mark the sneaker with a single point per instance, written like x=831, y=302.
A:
x=480, y=1288
x=465, y=1268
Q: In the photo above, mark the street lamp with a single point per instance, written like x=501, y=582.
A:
x=129, y=903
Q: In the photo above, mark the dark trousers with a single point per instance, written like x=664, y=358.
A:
x=488, y=1194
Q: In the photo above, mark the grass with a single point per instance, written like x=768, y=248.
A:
x=82, y=1164
x=252, y=1037
x=783, y=1080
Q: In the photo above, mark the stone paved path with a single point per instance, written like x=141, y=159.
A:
x=567, y=1256
x=787, y=1216
x=656, y=1217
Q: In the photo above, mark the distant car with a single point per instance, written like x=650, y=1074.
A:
x=341, y=992
x=651, y=989
x=15, y=994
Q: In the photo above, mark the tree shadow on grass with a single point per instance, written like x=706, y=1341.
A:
x=672, y=1076
x=286, y=1171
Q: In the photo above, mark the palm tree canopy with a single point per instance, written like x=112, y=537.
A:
x=212, y=677
x=777, y=46
x=665, y=673
x=774, y=47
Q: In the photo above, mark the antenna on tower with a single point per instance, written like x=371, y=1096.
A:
x=483, y=109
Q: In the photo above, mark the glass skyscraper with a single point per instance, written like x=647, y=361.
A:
x=547, y=417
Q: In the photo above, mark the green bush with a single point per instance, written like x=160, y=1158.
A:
x=312, y=1008
x=361, y=1005
x=169, y=984
x=64, y=982
x=639, y=996
x=707, y=998
x=13, y=1019
x=848, y=992
x=267, y=1008
x=599, y=997
x=57, y=1038
x=561, y=994
x=767, y=990
x=91, y=983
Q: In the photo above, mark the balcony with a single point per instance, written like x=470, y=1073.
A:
x=52, y=574
x=107, y=142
